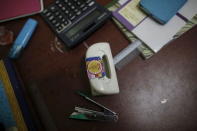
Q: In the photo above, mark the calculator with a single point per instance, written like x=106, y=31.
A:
x=74, y=20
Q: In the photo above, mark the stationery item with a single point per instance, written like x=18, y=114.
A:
x=121, y=2
x=161, y=10
x=16, y=112
x=101, y=70
x=146, y=52
x=154, y=35
x=74, y=20
x=23, y=38
x=189, y=10
x=86, y=114
x=12, y=9
x=6, y=116
x=127, y=54
x=129, y=14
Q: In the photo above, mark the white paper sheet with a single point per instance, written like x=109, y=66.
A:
x=156, y=35
x=189, y=9
x=121, y=2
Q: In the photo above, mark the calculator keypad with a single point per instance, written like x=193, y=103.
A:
x=74, y=20
x=64, y=12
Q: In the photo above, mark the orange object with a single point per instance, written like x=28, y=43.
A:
x=6, y=36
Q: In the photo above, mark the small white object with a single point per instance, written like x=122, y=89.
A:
x=107, y=84
x=121, y=2
x=156, y=35
x=164, y=101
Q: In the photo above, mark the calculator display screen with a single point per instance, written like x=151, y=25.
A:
x=81, y=25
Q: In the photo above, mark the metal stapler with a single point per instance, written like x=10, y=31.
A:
x=86, y=114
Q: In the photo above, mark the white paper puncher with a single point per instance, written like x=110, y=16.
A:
x=101, y=70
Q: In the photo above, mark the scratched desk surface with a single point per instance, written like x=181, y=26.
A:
x=158, y=94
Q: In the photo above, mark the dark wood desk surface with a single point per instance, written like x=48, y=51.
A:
x=171, y=74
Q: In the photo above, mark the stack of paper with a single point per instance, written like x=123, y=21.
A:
x=150, y=32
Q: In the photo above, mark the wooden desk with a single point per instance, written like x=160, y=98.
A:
x=169, y=75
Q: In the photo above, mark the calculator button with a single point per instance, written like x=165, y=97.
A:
x=66, y=22
x=91, y=3
x=73, y=17
x=53, y=8
x=57, y=13
x=79, y=3
x=70, y=15
x=76, y=10
x=72, y=7
x=66, y=11
x=69, y=3
x=88, y=1
x=60, y=5
x=82, y=5
x=84, y=8
x=63, y=8
x=57, y=24
x=60, y=16
x=54, y=21
x=63, y=20
x=78, y=13
x=57, y=1
x=48, y=14
x=51, y=18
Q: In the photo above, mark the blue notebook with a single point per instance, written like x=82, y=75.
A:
x=161, y=10
x=14, y=111
x=6, y=116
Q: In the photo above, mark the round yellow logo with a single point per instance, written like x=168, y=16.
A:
x=95, y=67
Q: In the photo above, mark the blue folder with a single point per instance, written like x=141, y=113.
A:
x=8, y=73
x=161, y=10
